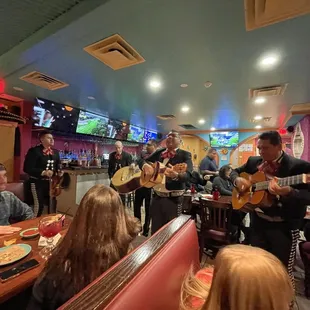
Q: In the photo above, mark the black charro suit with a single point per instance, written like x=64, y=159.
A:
x=115, y=164
x=280, y=237
x=35, y=163
x=164, y=209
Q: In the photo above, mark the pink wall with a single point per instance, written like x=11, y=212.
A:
x=305, y=128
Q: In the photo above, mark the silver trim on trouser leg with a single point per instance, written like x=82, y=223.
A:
x=179, y=207
x=295, y=237
x=35, y=199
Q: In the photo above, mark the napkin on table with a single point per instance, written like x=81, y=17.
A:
x=42, y=240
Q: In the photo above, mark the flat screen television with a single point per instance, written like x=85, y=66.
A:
x=224, y=139
x=55, y=116
x=117, y=130
x=92, y=124
x=148, y=134
x=135, y=133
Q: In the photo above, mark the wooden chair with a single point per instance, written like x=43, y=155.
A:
x=216, y=229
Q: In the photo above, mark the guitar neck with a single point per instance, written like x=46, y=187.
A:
x=288, y=181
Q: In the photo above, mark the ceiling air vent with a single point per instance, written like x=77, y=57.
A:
x=276, y=90
x=43, y=80
x=115, y=52
x=188, y=126
x=166, y=117
x=261, y=13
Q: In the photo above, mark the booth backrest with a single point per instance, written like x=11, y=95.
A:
x=148, y=278
x=17, y=189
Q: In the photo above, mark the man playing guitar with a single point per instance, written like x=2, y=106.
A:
x=168, y=197
x=276, y=228
x=145, y=193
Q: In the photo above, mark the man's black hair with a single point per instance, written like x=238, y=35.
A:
x=43, y=133
x=273, y=137
x=2, y=167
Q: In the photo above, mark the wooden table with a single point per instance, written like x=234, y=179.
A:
x=16, y=285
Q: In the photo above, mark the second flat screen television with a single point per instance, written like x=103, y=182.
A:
x=224, y=139
x=135, y=133
x=149, y=135
x=92, y=124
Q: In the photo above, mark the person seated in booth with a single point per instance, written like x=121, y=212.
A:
x=222, y=181
x=208, y=165
x=99, y=236
x=11, y=207
x=243, y=278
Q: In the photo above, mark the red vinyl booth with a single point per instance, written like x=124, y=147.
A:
x=150, y=277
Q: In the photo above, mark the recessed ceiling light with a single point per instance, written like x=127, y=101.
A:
x=155, y=84
x=201, y=121
x=258, y=127
x=185, y=109
x=258, y=117
x=212, y=128
x=18, y=88
x=184, y=85
x=269, y=61
x=208, y=84
x=260, y=100
x=91, y=98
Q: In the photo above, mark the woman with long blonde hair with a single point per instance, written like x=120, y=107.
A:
x=99, y=236
x=245, y=278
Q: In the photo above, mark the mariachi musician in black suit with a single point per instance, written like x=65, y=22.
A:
x=145, y=193
x=167, y=202
x=42, y=162
x=276, y=228
x=118, y=160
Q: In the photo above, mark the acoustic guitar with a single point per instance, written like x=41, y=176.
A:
x=129, y=179
x=257, y=195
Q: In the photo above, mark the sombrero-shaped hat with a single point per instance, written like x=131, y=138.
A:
x=11, y=117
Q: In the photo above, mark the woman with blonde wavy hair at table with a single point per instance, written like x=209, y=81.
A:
x=244, y=278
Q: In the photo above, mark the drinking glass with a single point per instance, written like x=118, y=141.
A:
x=49, y=227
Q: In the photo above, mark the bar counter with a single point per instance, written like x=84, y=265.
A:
x=81, y=180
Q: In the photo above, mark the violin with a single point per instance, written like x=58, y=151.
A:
x=55, y=185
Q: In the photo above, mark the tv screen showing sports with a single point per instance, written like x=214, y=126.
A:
x=148, y=135
x=117, y=130
x=224, y=139
x=55, y=116
x=135, y=133
x=92, y=124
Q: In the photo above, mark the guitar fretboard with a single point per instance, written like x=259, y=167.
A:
x=293, y=180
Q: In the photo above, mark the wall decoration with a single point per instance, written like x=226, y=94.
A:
x=298, y=142
x=224, y=151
